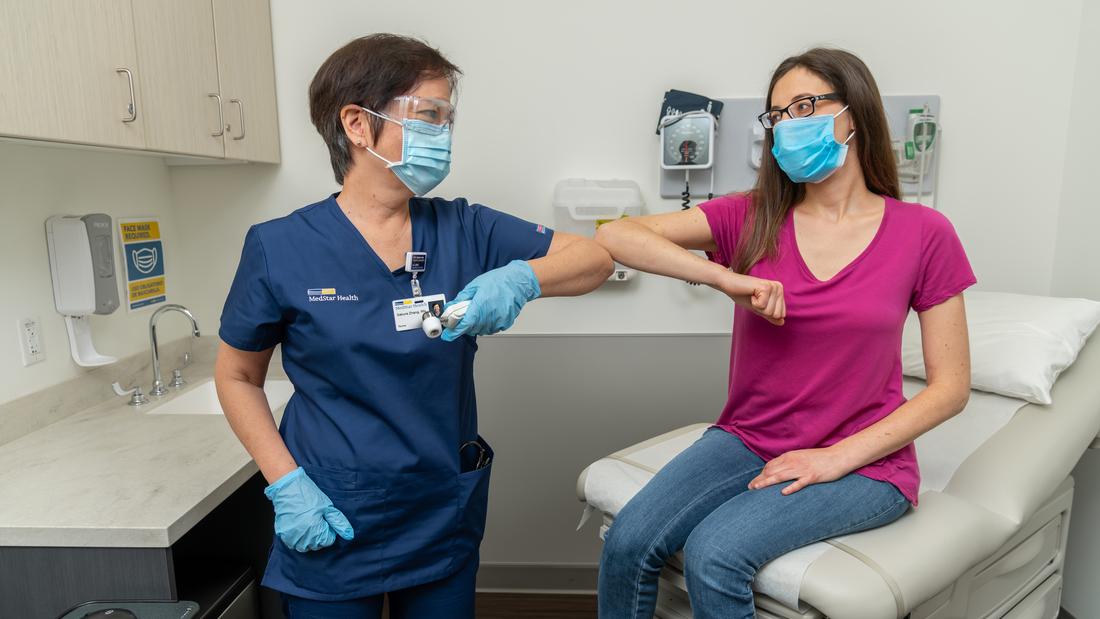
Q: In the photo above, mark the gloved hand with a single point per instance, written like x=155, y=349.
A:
x=496, y=297
x=305, y=518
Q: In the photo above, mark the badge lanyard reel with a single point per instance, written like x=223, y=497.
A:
x=416, y=262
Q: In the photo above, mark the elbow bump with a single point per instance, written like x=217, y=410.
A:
x=605, y=233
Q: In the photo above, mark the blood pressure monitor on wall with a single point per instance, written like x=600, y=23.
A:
x=687, y=141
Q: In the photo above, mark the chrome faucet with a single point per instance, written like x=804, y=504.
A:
x=158, y=384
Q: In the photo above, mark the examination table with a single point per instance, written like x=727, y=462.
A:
x=989, y=543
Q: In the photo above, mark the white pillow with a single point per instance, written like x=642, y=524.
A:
x=1019, y=343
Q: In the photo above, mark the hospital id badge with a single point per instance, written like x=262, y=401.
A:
x=408, y=314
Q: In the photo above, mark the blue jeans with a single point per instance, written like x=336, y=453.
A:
x=451, y=597
x=700, y=502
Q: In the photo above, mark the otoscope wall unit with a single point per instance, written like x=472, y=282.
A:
x=915, y=135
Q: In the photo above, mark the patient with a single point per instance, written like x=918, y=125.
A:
x=823, y=262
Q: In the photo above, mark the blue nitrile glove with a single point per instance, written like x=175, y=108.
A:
x=305, y=518
x=496, y=297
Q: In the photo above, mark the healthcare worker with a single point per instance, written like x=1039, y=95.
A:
x=377, y=474
x=823, y=263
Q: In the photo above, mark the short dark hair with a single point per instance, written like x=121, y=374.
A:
x=369, y=71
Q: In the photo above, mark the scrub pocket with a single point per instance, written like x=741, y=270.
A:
x=352, y=565
x=421, y=506
x=473, y=502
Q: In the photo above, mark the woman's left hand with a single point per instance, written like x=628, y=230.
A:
x=496, y=297
x=804, y=467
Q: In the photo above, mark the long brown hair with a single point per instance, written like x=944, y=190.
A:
x=775, y=193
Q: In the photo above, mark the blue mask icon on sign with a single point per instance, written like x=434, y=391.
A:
x=145, y=259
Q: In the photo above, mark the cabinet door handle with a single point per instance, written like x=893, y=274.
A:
x=240, y=109
x=132, y=108
x=221, y=116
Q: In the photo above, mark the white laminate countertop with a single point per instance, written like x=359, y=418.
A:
x=116, y=476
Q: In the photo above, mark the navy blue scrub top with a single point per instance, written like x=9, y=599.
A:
x=377, y=415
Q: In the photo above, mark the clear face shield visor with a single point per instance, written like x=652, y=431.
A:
x=438, y=112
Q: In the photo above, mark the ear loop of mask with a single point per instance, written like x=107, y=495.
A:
x=850, y=133
x=389, y=164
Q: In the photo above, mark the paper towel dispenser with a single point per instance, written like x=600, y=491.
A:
x=83, y=270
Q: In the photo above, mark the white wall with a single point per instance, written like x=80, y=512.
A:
x=37, y=182
x=1076, y=274
x=567, y=89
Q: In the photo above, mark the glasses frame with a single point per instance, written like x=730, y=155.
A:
x=813, y=99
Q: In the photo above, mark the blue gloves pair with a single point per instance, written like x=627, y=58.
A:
x=496, y=297
x=305, y=518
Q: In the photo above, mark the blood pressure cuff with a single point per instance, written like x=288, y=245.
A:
x=679, y=102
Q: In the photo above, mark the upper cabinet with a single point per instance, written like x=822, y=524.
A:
x=183, y=77
x=69, y=72
x=248, y=92
x=179, y=76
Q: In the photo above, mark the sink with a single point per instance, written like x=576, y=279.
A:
x=202, y=399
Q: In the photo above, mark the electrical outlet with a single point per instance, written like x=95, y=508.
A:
x=31, y=341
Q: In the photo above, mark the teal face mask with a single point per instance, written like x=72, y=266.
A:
x=805, y=147
x=425, y=154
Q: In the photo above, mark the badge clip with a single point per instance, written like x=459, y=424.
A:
x=416, y=262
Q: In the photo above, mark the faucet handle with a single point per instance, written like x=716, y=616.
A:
x=137, y=398
x=186, y=359
x=177, y=378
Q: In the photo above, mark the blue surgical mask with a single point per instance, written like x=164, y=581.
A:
x=425, y=154
x=806, y=149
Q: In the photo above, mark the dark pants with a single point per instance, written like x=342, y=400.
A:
x=451, y=597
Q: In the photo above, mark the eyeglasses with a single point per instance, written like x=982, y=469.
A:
x=799, y=108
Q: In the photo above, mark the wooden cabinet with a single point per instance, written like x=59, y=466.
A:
x=179, y=71
x=245, y=64
x=69, y=72
x=182, y=77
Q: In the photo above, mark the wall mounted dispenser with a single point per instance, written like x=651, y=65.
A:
x=83, y=270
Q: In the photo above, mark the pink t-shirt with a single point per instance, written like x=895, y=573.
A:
x=834, y=367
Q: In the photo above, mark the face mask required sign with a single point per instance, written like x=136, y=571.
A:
x=143, y=254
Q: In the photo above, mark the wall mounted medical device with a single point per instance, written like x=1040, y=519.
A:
x=687, y=141
x=82, y=267
x=915, y=154
x=688, y=126
x=582, y=201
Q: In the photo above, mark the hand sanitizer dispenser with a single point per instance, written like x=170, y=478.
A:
x=83, y=270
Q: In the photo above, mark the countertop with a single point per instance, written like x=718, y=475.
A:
x=115, y=476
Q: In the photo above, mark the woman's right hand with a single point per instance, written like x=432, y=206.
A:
x=763, y=297
x=305, y=518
